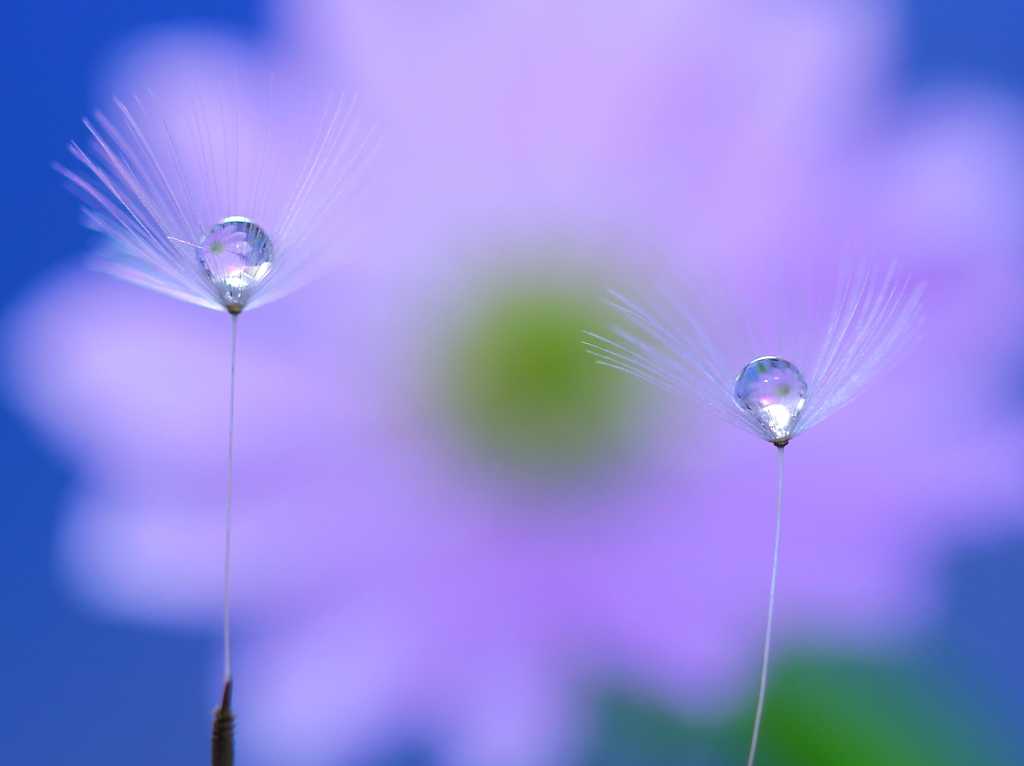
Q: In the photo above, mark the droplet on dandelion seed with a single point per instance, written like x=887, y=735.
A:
x=774, y=392
x=236, y=254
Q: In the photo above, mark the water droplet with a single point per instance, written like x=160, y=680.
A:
x=774, y=392
x=237, y=255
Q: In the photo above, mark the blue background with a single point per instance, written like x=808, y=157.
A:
x=75, y=689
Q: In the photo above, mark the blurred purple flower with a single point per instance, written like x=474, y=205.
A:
x=448, y=523
x=227, y=240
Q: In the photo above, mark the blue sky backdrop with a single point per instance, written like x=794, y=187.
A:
x=75, y=689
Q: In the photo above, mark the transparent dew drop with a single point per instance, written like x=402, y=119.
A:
x=237, y=255
x=773, y=391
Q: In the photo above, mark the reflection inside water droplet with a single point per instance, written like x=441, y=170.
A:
x=237, y=255
x=774, y=392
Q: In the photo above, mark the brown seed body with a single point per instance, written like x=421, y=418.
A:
x=223, y=741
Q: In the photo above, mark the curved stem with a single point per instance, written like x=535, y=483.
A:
x=768, y=630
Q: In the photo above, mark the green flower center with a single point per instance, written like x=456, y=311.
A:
x=524, y=386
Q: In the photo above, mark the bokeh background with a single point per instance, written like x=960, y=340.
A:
x=78, y=685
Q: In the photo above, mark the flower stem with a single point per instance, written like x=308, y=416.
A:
x=223, y=741
x=227, y=514
x=771, y=614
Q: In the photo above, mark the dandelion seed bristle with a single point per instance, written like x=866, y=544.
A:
x=874, y=317
x=164, y=177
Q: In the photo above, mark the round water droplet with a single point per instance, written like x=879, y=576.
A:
x=773, y=391
x=236, y=254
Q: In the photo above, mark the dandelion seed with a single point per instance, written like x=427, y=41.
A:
x=874, y=316
x=230, y=204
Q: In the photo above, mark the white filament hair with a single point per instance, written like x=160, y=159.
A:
x=666, y=346
x=875, y=315
x=157, y=190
